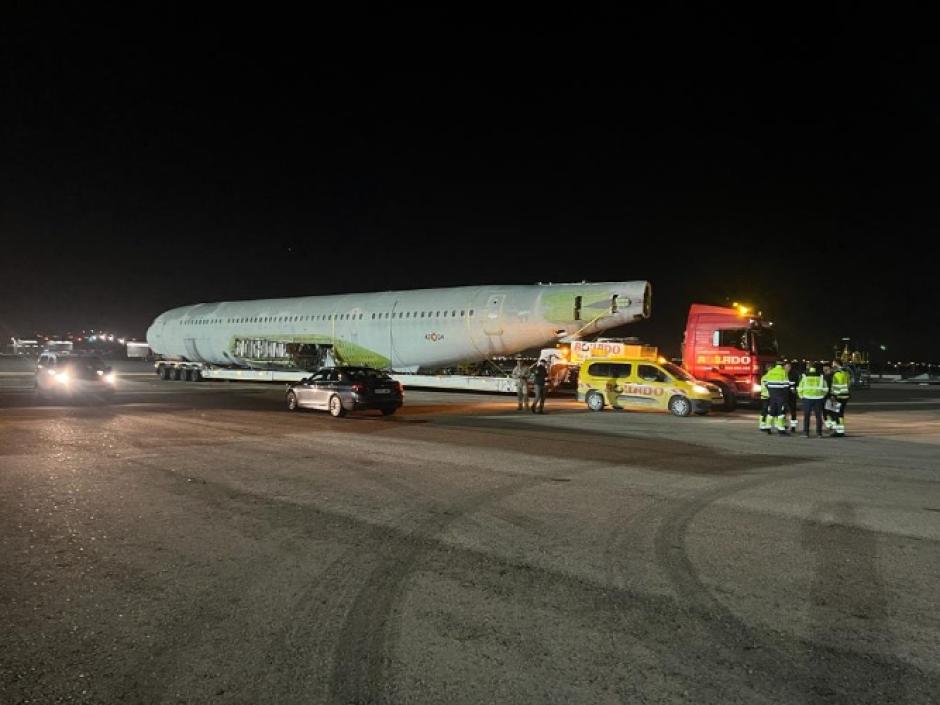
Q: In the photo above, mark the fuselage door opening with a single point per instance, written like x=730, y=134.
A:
x=492, y=321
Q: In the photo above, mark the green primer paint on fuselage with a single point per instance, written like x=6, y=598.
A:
x=349, y=353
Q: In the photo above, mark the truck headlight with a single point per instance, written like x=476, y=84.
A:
x=62, y=377
x=110, y=378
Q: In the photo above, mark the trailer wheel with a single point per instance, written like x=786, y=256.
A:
x=195, y=375
x=336, y=407
x=164, y=372
x=184, y=375
x=175, y=374
x=595, y=401
x=680, y=406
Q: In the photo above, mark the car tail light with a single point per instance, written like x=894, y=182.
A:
x=360, y=388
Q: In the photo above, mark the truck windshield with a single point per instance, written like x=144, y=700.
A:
x=678, y=372
x=764, y=342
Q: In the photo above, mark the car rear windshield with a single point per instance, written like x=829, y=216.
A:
x=365, y=373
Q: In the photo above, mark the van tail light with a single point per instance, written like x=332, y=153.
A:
x=359, y=388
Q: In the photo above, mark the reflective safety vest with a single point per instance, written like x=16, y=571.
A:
x=776, y=378
x=812, y=386
x=840, y=384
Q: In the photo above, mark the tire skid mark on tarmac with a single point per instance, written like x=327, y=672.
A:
x=362, y=662
x=328, y=599
x=783, y=669
x=321, y=614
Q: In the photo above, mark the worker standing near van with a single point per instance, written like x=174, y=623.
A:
x=520, y=373
x=812, y=389
x=840, y=392
x=778, y=385
x=539, y=378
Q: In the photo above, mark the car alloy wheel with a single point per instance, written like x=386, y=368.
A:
x=291, y=401
x=336, y=407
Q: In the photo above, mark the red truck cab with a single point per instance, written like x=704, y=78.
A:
x=730, y=348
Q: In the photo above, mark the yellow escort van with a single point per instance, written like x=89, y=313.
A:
x=643, y=381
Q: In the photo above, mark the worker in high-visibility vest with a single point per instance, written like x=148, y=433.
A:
x=793, y=374
x=827, y=415
x=778, y=384
x=764, y=424
x=840, y=392
x=812, y=389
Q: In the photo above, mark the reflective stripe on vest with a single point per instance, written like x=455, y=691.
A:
x=776, y=378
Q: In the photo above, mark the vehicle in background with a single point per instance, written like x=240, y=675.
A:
x=643, y=381
x=139, y=351
x=730, y=348
x=73, y=376
x=59, y=346
x=22, y=346
x=340, y=390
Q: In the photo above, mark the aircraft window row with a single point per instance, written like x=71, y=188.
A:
x=424, y=314
x=454, y=313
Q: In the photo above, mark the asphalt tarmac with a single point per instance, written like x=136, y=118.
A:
x=197, y=543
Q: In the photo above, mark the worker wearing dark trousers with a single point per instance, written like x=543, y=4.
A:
x=793, y=374
x=827, y=415
x=813, y=390
x=778, y=384
x=539, y=378
x=840, y=392
x=765, y=422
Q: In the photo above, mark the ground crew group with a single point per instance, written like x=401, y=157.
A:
x=824, y=393
x=539, y=377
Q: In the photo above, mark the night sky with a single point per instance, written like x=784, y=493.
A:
x=153, y=160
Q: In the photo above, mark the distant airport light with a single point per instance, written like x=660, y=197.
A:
x=121, y=341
